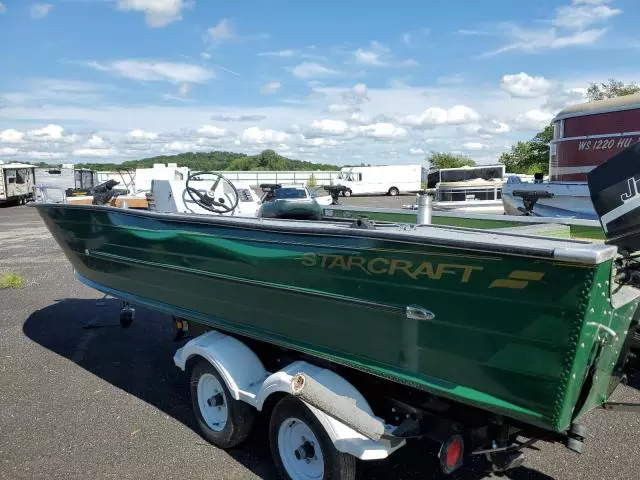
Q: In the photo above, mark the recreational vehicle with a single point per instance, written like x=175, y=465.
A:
x=17, y=181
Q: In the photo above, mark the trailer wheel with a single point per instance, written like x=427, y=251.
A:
x=222, y=420
x=346, y=193
x=393, y=191
x=301, y=448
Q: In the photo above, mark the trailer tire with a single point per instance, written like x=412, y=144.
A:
x=346, y=193
x=393, y=191
x=294, y=431
x=236, y=415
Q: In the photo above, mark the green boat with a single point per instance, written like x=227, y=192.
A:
x=496, y=330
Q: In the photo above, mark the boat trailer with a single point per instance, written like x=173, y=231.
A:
x=333, y=421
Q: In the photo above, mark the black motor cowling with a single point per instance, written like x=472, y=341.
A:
x=614, y=187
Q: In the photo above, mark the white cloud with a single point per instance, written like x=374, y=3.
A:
x=361, y=118
x=533, y=120
x=569, y=28
x=152, y=71
x=560, y=97
x=205, y=55
x=525, y=86
x=494, y=127
x=269, y=88
x=11, y=136
x=279, y=53
x=94, y=152
x=530, y=40
x=142, y=135
x=416, y=151
x=320, y=142
x=3, y=8
x=581, y=14
x=312, y=70
x=455, y=79
x=50, y=132
x=433, y=116
x=329, y=127
x=95, y=141
x=255, y=135
x=473, y=146
x=409, y=62
x=56, y=90
x=375, y=122
x=341, y=108
x=368, y=57
x=37, y=155
x=184, y=90
x=40, y=10
x=179, y=147
x=382, y=131
x=157, y=13
x=378, y=55
x=222, y=31
x=359, y=90
x=8, y=151
x=356, y=95
x=212, y=131
x=238, y=118
x=486, y=129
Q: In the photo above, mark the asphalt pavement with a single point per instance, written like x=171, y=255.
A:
x=107, y=402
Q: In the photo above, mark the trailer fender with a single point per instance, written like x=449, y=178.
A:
x=239, y=367
x=344, y=438
x=248, y=381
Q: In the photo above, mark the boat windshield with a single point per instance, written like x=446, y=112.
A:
x=290, y=193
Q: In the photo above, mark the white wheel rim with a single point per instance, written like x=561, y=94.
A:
x=212, y=402
x=300, y=451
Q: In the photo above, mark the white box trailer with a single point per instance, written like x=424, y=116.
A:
x=17, y=182
x=384, y=179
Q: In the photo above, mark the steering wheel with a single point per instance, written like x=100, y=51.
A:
x=207, y=199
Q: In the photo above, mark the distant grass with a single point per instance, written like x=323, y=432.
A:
x=11, y=280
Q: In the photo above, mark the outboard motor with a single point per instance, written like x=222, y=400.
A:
x=615, y=192
x=104, y=192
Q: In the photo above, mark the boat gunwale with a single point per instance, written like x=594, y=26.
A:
x=589, y=254
x=478, y=216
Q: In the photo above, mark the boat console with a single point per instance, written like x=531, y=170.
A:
x=204, y=193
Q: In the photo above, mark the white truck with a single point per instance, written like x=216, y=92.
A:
x=17, y=182
x=385, y=179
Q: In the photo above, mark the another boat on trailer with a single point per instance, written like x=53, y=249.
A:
x=584, y=136
x=361, y=336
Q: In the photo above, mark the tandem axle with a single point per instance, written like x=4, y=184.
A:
x=320, y=421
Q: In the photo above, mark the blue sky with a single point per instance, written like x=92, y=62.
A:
x=338, y=82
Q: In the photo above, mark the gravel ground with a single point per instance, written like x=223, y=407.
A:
x=102, y=403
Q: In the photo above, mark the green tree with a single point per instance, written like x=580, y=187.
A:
x=531, y=156
x=449, y=160
x=217, y=161
x=612, y=88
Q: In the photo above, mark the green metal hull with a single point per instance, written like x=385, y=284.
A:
x=513, y=334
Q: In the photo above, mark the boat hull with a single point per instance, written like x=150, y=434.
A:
x=507, y=329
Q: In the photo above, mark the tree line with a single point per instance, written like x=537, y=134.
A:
x=216, y=161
